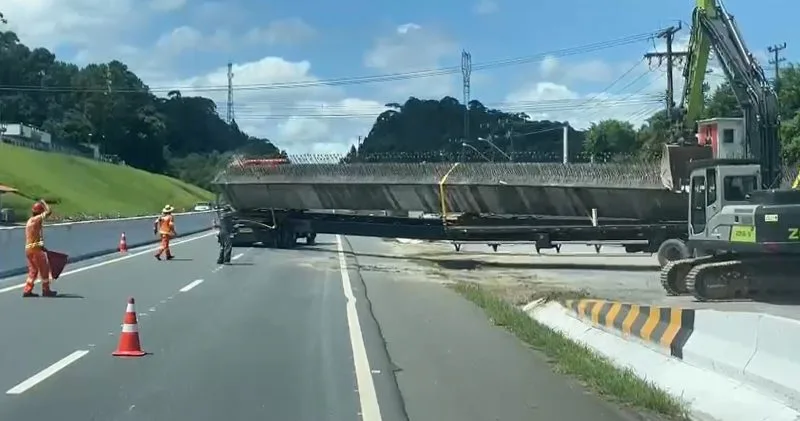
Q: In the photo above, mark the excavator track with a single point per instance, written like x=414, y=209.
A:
x=673, y=274
x=745, y=278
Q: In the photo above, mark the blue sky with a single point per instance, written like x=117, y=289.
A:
x=179, y=43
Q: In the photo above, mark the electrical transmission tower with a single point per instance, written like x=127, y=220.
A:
x=776, y=60
x=466, y=73
x=230, y=118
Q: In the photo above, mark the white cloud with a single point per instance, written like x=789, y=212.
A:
x=555, y=92
x=317, y=119
x=409, y=48
x=167, y=5
x=282, y=31
x=485, y=7
x=179, y=40
x=83, y=23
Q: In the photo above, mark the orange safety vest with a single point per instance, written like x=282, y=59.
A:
x=34, y=236
x=166, y=226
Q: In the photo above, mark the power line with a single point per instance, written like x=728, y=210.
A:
x=597, y=46
x=372, y=114
x=776, y=51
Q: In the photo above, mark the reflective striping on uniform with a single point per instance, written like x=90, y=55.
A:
x=667, y=327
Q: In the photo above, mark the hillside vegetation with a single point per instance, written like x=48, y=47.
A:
x=82, y=187
x=107, y=105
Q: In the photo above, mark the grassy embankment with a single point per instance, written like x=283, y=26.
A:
x=571, y=358
x=82, y=188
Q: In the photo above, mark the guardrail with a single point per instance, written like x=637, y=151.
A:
x=88, y=239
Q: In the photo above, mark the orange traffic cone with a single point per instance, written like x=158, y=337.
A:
x=129, y=345
x=123, y=244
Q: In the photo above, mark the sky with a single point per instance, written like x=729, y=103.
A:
x=561, y=73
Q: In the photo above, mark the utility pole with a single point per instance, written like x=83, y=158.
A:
x=229, y=117
x=670, y=56
x=776, y=60
x=466, y=73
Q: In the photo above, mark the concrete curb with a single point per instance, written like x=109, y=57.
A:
x=89, y=239
x=666, y=328
x=757, y=349
x=711, y=394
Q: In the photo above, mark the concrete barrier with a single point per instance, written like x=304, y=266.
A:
x=709, y=394
x=759, y=349
x=666, y=329
x=84, y=240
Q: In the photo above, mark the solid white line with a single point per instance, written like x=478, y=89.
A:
x=237, y=257
x=191, y=285
x=108, y=262
x=47, y=372
x=370, y=410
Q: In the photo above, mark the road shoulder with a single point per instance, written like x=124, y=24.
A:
x=451, y=364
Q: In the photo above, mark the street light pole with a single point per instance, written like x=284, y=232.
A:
x=467, y=145
x=495, y=147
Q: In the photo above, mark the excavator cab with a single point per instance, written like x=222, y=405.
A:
x=720, y=209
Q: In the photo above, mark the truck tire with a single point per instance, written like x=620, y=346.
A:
x=311, y=239
x=672, y=249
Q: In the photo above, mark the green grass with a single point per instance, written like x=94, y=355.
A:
x=571, y=358
x=79, y=186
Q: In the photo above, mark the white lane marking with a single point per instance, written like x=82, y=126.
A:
x=370, y=410
x=47, y=372
x=191, y=285
x=237, y=257
x=108, y=262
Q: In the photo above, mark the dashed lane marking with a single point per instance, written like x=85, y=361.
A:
x=191, y=285
x=47, y=372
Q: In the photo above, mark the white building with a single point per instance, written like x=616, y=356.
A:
x=725, y=136
x=24, y=132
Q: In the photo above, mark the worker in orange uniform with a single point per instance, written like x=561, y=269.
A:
x=164, y=226
x=36, y=254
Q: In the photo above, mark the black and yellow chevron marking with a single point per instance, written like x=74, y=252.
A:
x=668, y=327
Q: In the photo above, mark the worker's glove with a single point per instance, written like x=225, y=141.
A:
x=155, y=232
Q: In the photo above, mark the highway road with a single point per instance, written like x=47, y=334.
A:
x=300, y=335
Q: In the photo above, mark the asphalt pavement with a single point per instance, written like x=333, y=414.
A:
x=279, y=334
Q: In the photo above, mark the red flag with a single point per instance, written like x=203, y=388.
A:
x=57, y=262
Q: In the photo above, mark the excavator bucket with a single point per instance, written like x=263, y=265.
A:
x=675, y=161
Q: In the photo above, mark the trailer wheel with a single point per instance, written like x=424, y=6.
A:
x=494, y=247
x=672, y=249
x=311, y=239
x=558, y=248
x=457, y=246
x=538, y=249
x=597, y=248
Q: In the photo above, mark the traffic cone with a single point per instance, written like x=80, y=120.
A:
x=129, y=345
x=123, y=244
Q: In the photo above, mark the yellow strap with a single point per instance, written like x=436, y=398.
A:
x=442, y=196
x=32, y=245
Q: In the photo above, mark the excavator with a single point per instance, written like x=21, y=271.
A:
x=744, y=235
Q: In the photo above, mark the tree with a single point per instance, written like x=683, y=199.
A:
x=610, y=137
x=433, y=130
x=108, y=105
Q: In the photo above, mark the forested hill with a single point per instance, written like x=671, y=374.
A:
x=176, y=135
x=434, y=130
